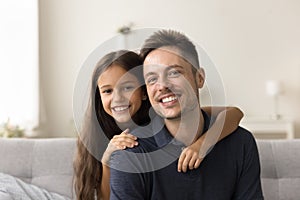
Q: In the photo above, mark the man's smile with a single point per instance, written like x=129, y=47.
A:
x=169, y=99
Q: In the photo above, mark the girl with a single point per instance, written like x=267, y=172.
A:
x=117, y=104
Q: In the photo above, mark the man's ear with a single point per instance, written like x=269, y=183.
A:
x=200, y=77
x=144, y=97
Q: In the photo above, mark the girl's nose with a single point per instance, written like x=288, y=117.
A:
x=118, y=96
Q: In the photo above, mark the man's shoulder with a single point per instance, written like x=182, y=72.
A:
x=240, y=138
x=242, y=134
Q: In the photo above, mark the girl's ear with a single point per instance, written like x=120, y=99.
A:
x=200, y=77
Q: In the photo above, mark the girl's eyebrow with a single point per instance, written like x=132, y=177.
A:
x=125, y=82
x=104, y=86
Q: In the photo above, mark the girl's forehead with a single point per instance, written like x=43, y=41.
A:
x=115, y=74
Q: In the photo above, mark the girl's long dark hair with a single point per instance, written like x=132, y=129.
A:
x=90, y=144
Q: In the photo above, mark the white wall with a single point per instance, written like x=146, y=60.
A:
x=249, y=41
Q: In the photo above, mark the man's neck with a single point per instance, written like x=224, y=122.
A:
x=186, y=128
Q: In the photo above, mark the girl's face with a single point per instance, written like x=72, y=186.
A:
x=120, y=93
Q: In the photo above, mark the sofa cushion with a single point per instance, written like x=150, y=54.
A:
x=16, y=157
x=46, y=163
x=280, y=168
x=15, y=188
x=5, y=196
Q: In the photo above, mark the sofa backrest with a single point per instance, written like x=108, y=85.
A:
x=43, y=162
x=280, y=168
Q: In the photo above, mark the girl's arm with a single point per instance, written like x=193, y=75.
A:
x=227, y=120
x=118, y=142
x=105, y=189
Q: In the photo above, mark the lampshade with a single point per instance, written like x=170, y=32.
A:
x=273, y=87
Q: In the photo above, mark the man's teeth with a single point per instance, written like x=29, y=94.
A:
x=118, y=109
x=168, y=99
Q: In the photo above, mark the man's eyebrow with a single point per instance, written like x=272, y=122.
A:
x=174, y=66
x=168, y=68
x=149, y=74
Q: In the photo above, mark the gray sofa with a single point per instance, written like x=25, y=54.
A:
x=280, y=168
x=47, y=163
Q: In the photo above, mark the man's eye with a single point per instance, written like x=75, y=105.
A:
x=151, y=80
x=173, y=73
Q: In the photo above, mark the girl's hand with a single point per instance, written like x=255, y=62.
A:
x=125, y=139
x=119, y=142
x=190, y=157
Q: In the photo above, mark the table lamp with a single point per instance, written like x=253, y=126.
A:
x=273, y=89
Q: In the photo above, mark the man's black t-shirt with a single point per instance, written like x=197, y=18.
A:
x=231, y=170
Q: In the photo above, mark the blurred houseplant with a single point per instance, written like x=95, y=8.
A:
x=8, y=130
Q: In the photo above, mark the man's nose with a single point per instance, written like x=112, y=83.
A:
x=163, y=84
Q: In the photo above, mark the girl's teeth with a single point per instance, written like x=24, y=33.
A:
x=120, y=108
x=168, y=99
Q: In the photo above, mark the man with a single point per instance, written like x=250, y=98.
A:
x=231, y=170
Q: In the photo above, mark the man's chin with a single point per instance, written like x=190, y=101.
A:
x=172, y=117
x=179, y=115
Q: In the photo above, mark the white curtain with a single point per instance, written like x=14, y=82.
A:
x=19, y=97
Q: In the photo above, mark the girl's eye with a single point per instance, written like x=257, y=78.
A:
x=107, y=91
x=173, y=73
x=128, y=88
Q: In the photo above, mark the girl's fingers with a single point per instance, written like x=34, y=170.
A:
x=197, y=163
x=192, y=161
x=125, y=135
x=186, y=162
x=124, y=141
x=127, y=144
x=180, y=161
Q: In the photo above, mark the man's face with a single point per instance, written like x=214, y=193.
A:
x=171, y=85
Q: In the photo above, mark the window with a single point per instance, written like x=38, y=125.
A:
x=19, y=62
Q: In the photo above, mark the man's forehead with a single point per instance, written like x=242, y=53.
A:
x=164, y=56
